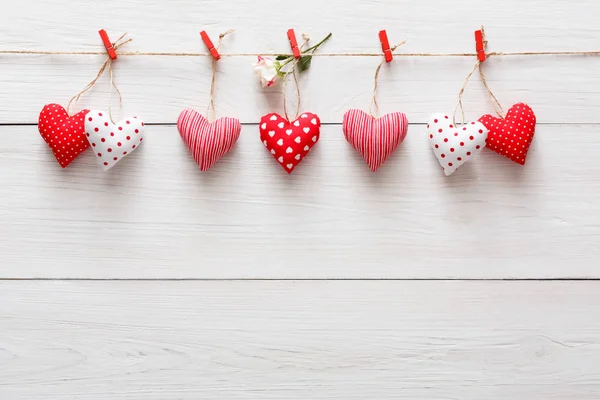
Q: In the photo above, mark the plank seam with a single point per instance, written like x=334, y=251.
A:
x=25, y=124
x=567, y=279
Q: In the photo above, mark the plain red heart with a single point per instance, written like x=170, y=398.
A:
x=289, y=142
x=65, y=135
x=207, y=141
x=374, y=138
x=511, y=136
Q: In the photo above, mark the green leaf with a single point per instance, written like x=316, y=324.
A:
x=282, y=57
x=304, y=63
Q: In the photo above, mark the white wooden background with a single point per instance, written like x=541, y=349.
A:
x=155, y=281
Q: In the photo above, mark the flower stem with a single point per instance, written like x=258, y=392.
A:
x=313, y=48
x=287, y=61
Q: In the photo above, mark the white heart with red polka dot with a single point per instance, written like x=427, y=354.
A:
x=112, y=142
x=455, y=145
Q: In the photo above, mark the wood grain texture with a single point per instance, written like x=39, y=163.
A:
x=167, y=26
x=299, y=340
x=155, y=215
x=560, y=89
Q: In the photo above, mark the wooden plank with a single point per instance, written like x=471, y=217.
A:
x=299, y=340
x=560, y=89
x=156, y=215
x=164, y=26
x=158, y=88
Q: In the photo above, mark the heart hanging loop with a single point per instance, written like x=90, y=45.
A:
x=374, y=98
x=495, y=103
x=298, y=98
x=305, y=40
x=212, y=112
x=481, y=43
x=302, y=59
x=460, y=94
x=107, y=64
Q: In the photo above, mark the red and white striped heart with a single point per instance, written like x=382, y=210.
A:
x=453, y=146
x=375, y=139
x=112, y=142
x=207, y=141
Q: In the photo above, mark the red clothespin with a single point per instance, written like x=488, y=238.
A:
x=479, y=45
x=107, y=43
x=385, y=46
x=293, y=43
x=210, y=45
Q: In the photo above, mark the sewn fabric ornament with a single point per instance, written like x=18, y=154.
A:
x=64, y=134
x=112, y=142
x=289, y=142
x=512, y=135
x=374, y=138
x=452, y=145
x=207, y=141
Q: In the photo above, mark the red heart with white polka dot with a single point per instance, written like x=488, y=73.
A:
x=112, y=142
x=512, y=135
x=289, y=142
x=65, y=135
x=455, y=145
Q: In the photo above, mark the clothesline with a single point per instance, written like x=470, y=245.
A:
x=191, y=54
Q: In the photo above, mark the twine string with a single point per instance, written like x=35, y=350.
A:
x=495, y=103
x=107, y=64
x=374, y=98
x=460, y=94
x=192, y=54
x=212, y=112
x=297, y=92
x=305, y=38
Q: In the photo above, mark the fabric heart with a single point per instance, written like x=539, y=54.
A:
x=375, y=139
x=111, y=142
x=207, y=141
x=289, y=142
x=453, y=146
x=511, y=136
x=65, y=135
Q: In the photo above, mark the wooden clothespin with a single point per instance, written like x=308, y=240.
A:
x=293, y=43
x=209, y=44
x=385, y=46
x=480, y=45
x=108, y=44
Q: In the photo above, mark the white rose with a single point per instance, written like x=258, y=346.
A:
x=266, y=72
